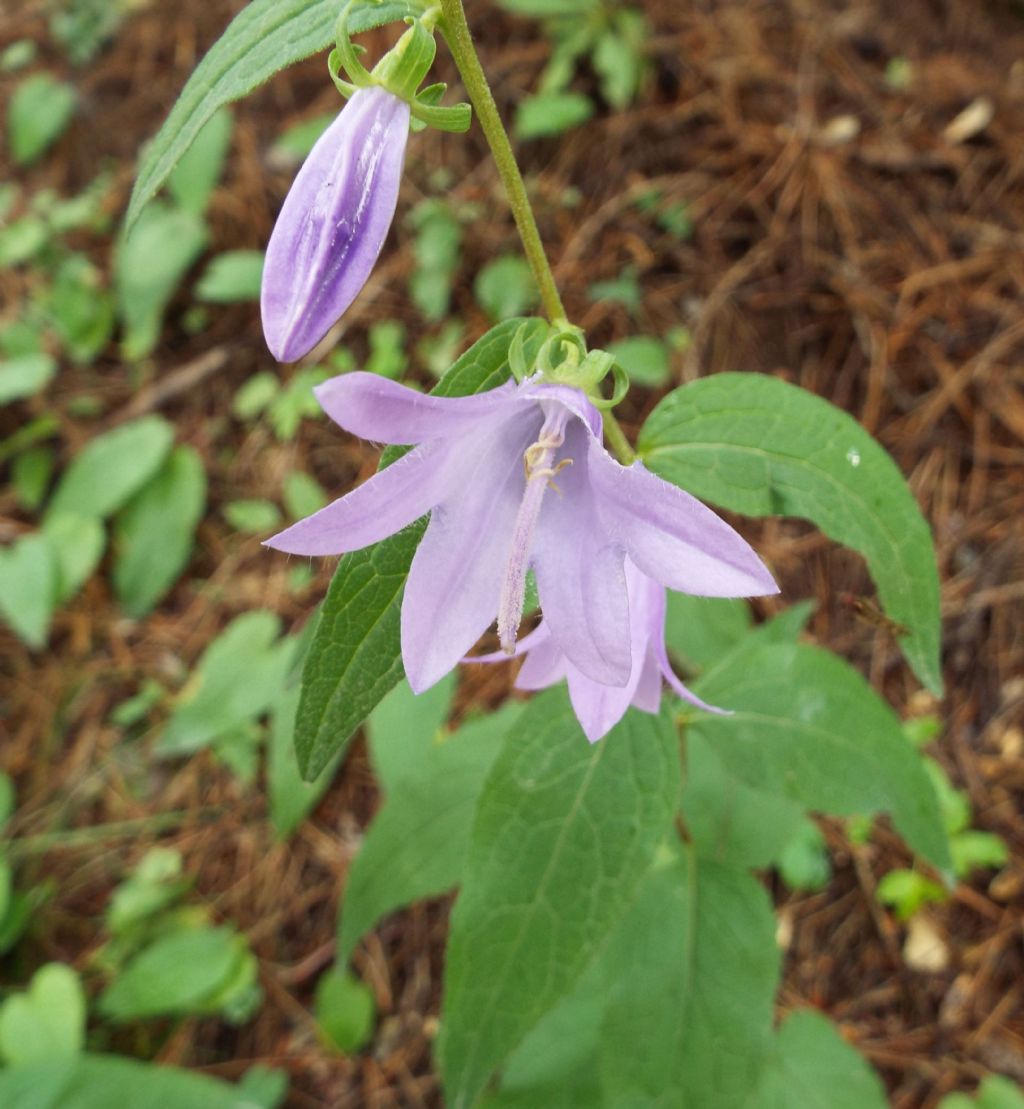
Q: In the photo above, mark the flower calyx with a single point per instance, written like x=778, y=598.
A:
x=400, y=71
x=563, y=359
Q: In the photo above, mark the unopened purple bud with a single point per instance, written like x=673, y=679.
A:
x=333, y=222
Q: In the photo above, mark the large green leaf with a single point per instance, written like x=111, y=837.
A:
x=806, y=726
x=692, y=976
x=755, y=444
x=813, y=1067
x=355, y=656
x=564, y=833
x=264, y=37
x=416, y=846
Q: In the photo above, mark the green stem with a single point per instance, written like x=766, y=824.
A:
x=617, y=440
x=460, y=42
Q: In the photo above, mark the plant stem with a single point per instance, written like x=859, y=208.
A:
x=617, y=440
x=460, y=42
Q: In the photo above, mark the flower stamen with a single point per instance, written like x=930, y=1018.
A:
x=538, y=462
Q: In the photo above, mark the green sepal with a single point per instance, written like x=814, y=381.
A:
x=455, y=119
x=346, y=88
x=347, y=52
x=402, y=69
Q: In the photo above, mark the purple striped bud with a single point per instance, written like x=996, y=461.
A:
x=333, y=223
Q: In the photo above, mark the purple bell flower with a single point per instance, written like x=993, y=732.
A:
x=600, y=707
x=333, y=222
x=517, y=478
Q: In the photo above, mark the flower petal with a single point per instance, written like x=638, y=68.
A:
x=647, y=695
x=451, y=596
x=544, y=666
x=598, y=707
x=573, y=399
x=529, y=642
x=669, y=675
x=671, y=536
x=384, y=411
x=580, y=574
x=389, y=501
x=333, y=222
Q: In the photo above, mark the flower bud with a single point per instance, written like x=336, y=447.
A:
x=333, y=223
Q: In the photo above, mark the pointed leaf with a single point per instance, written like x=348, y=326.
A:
x=755, y=444
x=564, y=833
x=692, y=976
x=806, y=726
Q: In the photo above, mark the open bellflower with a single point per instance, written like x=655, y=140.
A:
x=517, y=478
x=333, y=223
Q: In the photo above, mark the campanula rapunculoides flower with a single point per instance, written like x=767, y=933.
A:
x=600, y=707
x=333, y=222
x=513, y=479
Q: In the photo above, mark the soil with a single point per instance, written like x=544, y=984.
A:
x=854, y=233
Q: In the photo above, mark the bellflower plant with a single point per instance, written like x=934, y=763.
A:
x=615, y=881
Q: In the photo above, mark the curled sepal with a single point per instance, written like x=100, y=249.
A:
x=346, y=88
x=619, y=377
x=403, y=68
x=346, y=53
x=455, y=118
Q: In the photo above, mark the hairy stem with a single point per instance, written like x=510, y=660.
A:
x=460, y=42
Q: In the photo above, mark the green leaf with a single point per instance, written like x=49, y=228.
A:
x=45, y=1023
x=701, y=630
x=154, y=532
x=253, y=515
x=240, y=675
x=177, y=975
x=436, y=248
x=692, y=973
x=505, y=287
x=645, y=360
x=22, y=240
x=294, y=144
x=78, y=542
x=255, y=395
x=28, y=587
x=232, y=277
x=291, y=798
x=416, y=846
x=81, y=308
x=804, y=862
x=730, y=821
x=110, y=1082
x=996, y=1092
x=112, y=467
x=196, y=175
x=564, y=833
x=551, y=113
x=38, y=113
x=757, y=445
x=355, y=656
x=906, y=892
x=148, y=268
x=25, y=376
x=303, y=495
x=264, y=37
x=972, y=849
x=813, y=1067
x=345, y=1010
x=808, y=727
x=154, y=885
